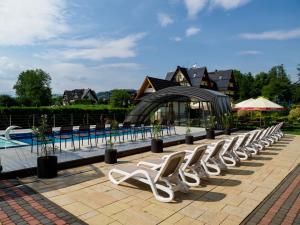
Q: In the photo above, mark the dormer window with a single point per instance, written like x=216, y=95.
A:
x=220, y=77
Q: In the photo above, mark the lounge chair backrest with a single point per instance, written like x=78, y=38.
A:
x=66, y=129
x=243, y=141
x=171, y=165
x=48, y=131
x=252, y=137
x=259, y=135
x=218, y=148
x=100, y=126
x=231, y=144
x=197, y=154
x=84, y=128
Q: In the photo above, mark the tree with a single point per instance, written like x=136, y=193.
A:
x=6, y=100
x=279, y=88
x=120, y=98
x=33, y=88
x=261, y=79
x=245, y=88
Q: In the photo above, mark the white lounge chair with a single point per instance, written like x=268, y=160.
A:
x=239, y=149
x=210, y=163
x=249, y=146
x=166, y=179
x=227, y=156
x=191, y=168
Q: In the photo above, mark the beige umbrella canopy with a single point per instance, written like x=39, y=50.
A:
x=259, y=104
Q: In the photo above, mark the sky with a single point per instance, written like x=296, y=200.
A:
x=111, y=44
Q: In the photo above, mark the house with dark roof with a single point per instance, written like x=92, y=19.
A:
x=224, y=81
x=71, y=96
x=152, y=84
x=220, y=80
x=195, y=77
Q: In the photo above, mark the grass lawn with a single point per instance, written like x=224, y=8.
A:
x=292, y=130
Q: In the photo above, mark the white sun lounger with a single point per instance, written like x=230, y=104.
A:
x=239, y=149
x=227, y=156
x=210, y=163
x=166, y=179
x=190, y=168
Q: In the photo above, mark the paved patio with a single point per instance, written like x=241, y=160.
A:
x=87, y=193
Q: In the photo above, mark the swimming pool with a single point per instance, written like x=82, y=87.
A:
x=26, y=138
x=10, y=143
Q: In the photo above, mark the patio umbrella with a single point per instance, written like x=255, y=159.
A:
x=259, y=104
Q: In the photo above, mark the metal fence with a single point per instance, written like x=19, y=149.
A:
x=56, y=120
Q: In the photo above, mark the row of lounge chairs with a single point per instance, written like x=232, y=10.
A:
x=104, y=131
x=181, y=170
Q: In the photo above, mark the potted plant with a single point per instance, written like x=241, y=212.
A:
x=189, y=139
x=156, y=142
x=110, y=153
x=210, y=127
x=226, y=122
x=46, y=163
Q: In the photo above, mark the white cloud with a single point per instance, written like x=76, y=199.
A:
x=176, y=39
x=9, y=69
x=228, y=4
x=164, y=19
x=192, y=31
x=277, y=35
x=250, y=52
x=26, y=22
x=194, y=6
x=102, y=77
x=95, y=49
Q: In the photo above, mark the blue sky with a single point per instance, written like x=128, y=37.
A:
x=115, y=43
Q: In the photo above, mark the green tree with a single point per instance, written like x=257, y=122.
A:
x=296, y=93
x=279, y=88
x=33, y=87
x=6, y=100
x=245, y=85
x=120, y=98
x=261, y=79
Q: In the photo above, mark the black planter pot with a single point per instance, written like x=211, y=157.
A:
x=47, y=166
x=210, y=134
x=227, y=131
x=189, y=139
x=110, y=156
x=156, y=145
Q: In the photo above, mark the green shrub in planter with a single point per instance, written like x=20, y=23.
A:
x=46, y=163
x=156, y=142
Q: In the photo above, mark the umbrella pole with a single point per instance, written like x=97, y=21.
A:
x=260, y=119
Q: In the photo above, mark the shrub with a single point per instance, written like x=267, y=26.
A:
x=294, y=114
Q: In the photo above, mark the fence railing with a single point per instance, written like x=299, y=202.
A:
x=55, y=120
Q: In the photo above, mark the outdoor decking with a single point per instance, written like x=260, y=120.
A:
x=87, y=193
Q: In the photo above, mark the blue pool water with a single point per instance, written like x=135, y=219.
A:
x=9, y=143
x=27, y=138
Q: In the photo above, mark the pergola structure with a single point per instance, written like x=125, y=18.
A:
x=215, y=103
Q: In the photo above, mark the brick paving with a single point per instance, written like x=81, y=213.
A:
x=86, y=194
x=282, y=206
x=22, y=205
